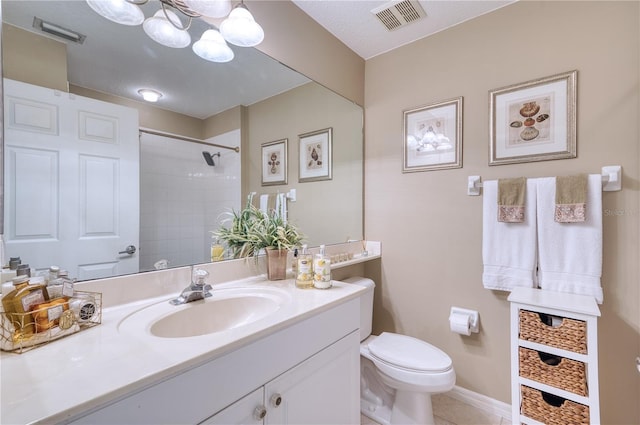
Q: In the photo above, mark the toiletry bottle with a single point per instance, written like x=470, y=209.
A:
x=304, y=274
x=294, y=263
x=54, y=283
x=19, y=302
x=322, y=270
x=217, y=251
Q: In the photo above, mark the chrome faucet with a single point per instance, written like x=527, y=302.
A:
x=197, y=290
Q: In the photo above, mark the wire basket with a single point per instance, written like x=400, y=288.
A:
x=20, y=332
x=552, y=410
x=569, y=334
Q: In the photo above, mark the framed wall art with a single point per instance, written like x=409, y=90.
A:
x=432, y=137
x=315, y=156
x=274, y=163
x=533, y=121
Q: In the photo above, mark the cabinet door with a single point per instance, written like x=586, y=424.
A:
x=245, y=411
x=324, y=389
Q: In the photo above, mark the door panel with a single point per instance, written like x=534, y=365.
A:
x=72, y=181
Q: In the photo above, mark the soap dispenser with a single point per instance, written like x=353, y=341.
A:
x=304, y=274
x=322, y=270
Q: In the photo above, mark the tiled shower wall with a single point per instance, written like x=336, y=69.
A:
x=182, y=198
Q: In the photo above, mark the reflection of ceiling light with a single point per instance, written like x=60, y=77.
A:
x=429, y=142
x=150, y=95
x=212, y=47
x=118, y=11
x=241, y=29
x=165, y=27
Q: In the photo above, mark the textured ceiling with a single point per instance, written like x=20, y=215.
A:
x=352, y=22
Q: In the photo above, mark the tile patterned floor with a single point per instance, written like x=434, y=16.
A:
x=449, y=411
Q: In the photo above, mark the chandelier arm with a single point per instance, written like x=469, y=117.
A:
x=183, y=28
x=179, y=5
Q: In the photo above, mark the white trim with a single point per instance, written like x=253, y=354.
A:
x=482, y=402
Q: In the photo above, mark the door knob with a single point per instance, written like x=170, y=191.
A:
x=128, y=250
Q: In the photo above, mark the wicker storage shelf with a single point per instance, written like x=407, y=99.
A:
x=559, y=372
x=82, y=311
x=569, y=334
x=552, y=410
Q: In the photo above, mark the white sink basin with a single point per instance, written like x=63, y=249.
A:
x=226, y=309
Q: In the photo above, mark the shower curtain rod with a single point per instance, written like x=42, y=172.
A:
x=187, y=139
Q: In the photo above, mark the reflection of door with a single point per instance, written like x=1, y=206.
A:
x=71, y=181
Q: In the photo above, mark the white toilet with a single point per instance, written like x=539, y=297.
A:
x=398, y=373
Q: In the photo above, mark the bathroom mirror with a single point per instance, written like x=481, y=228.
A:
x=276, y=103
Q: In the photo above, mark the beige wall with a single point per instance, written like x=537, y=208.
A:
x=431, y=230
x=309, y=108
x=26, y=56
x=296, y=40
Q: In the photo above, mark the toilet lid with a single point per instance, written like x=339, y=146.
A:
x=409, y=353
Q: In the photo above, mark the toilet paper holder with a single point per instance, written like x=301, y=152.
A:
x=472, y=315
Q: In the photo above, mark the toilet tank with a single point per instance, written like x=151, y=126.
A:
x=366, y=304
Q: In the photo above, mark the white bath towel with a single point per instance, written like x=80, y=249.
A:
x=508, y=249
x=264, y=203
x=570, y=254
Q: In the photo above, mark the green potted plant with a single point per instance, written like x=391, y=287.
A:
x=250, y=231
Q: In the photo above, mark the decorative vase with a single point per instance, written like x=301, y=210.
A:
x=276, y=263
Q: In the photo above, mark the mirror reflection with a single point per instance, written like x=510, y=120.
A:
x=180, y=185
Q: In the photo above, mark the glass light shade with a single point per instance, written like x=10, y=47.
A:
x=118, y=11
x=150, y=95
x=164, y=32
x=212, y=47
x=210, y=8
x=241, y=29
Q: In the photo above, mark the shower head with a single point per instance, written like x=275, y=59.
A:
x=209, y=157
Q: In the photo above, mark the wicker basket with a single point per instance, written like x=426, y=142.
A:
x=569, y=335
x=559, y=372
x=552, y=411
x=83, y=311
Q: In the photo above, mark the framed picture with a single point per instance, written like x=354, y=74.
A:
x=315, y=156
x=274, y=163
x=534, y=121
x=432, y=138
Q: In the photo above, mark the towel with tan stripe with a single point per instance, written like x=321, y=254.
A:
x=571, y=199
x=511, y=196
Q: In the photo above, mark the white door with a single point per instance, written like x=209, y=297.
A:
x=71, y=181
x=324, y=389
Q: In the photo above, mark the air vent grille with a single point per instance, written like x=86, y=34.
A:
x=396, y=14
x=58, y=31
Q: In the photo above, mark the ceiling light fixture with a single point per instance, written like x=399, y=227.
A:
x=150, y=95
x=167, y=28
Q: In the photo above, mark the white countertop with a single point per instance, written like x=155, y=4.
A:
x=67, y=377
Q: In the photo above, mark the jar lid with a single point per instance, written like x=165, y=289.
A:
x=54, y=269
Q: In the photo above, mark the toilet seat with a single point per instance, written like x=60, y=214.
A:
x=409, y=353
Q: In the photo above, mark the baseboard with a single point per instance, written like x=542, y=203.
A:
x=482, y=402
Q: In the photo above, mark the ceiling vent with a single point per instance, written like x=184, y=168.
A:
x=396, y=14
x=58, y=31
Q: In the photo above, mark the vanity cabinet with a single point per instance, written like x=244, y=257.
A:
x=322, y=390
x=313, y=364
x=554, y=358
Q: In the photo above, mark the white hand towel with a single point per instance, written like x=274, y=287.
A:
x=264, y=203
x=508, y=249
x=570, y=254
